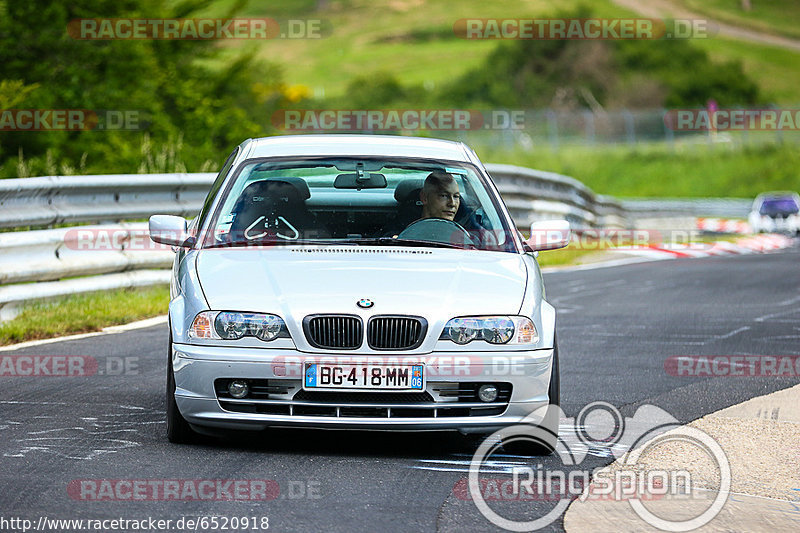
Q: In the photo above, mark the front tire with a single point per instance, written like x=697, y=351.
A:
x=543, y=438
x=178, y=429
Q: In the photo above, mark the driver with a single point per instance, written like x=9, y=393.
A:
x=440, y=196
x=440, y=200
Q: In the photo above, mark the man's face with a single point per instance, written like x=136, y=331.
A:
x=441, y=203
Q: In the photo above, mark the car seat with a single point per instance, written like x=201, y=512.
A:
x=273, y=209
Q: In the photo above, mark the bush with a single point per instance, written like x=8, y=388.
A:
x=564, y=73
x=168, y=83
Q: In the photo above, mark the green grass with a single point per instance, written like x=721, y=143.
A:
x=571, y=255
x=84, y=313
x=768, y=16
x=685, y=170
x=776, y=70
x=414, y=40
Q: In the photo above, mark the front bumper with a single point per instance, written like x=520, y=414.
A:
x=196, y=368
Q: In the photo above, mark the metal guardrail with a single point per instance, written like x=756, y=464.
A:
x=71, y=199
x=533, y=195
x=530, y=194
x=697, y=207
x=50, y=255
x=47, y=263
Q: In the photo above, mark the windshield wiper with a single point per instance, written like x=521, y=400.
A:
x=267, y=242
x=390, y=241
x=376, y=241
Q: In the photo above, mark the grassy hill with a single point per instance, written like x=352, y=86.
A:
x=769, y=16
x=659, y=169
x=776, y=70
x=414, y=39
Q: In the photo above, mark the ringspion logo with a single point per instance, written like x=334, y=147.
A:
x=633, y=478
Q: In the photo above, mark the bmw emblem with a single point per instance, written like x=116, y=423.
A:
x=365, y=303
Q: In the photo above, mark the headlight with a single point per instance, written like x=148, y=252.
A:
x=462, y=330
x=497, y=330
x=231, y=325
x=265, y=327
x=492, y=329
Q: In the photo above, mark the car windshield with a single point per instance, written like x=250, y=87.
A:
x=779, y=206
x=359, y=201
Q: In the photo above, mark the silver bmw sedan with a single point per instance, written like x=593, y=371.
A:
x=357, y=281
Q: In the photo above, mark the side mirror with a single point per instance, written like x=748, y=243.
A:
x=170, y=230
x=549, y=235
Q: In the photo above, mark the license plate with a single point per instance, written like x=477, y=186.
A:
x=321, y=376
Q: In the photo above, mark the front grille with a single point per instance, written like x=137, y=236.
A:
x=334, y=332
x=395, y=332
x=443, y=399
x=343, y=398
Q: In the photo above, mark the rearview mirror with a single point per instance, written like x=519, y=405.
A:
x=549, y=235
x=170, y=230
x=360, y=180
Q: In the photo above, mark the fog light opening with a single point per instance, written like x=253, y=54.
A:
x=238, y=388
x=487, y=393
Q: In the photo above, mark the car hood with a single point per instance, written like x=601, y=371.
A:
x=299, y=281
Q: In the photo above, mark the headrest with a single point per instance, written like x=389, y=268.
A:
x=297, y=183
x=408, y=190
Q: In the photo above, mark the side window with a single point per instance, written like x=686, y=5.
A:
x=215, y=188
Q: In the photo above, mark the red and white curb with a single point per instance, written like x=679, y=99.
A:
x=745, y=245
x=724, y=225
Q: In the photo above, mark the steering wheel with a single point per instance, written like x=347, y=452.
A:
x=270, y=224
x=437, y=230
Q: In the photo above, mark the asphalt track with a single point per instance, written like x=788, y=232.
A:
x=616, y=327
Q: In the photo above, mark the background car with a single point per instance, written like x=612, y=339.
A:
x=777, y=212
x=311, y=292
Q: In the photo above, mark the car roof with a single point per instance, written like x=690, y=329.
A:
x=355, y=146
x=777, y=194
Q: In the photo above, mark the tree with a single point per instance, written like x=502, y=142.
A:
x=168, y=83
